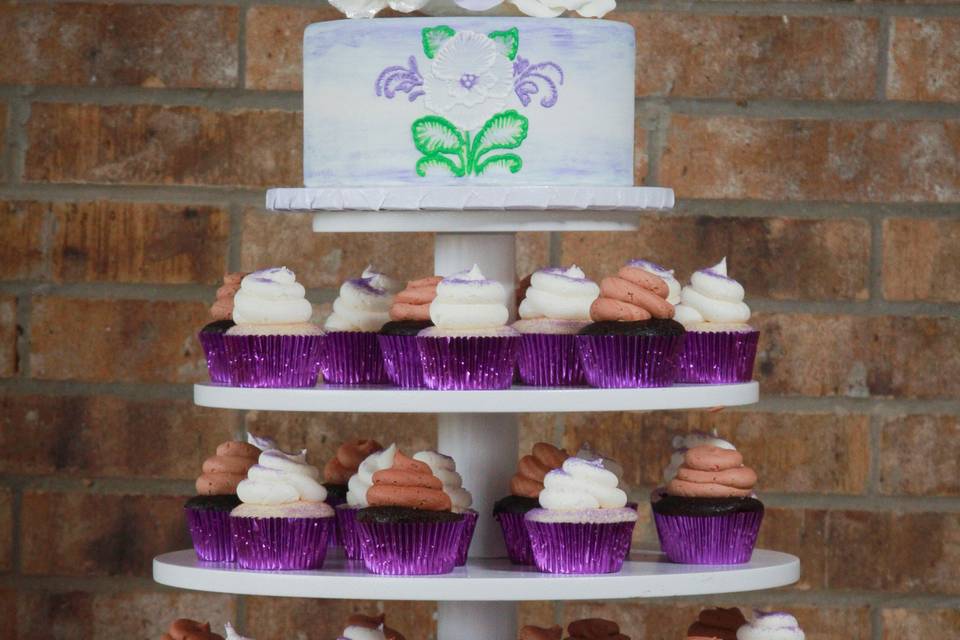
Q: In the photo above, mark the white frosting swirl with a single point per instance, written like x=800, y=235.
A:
x=586, y=452
x=711, y=296
x=279, y=478
x=771, y=626
x=581, y=484
x=445, y=469
x=673, y=285
x=467, y=300
x=559, y=294
x=363, y=303
x=261, y=442
x=232, y=633
x=370, y=8
x=271, y=296
x=553, y=8
x=362, y=480
x=681, y=443
x=354, y=632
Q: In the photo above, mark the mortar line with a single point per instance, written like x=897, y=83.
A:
x=876, y=622
x=827, y=110
x=240, y=606
x=242, y=44
x=93, y=485
x=883, y=56
x=555, y=248
x=19, y=114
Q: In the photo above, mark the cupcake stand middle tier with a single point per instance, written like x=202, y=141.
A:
x=478, y=428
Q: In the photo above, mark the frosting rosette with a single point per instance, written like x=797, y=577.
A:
x=683, y=443
x=467, y=302
x=716, y=624
x=595, y=629
x=271, y=297
x=362, y=480
x=586, y=452
x=559, y=294
x=533, y=468
x=776, y=625
x=408, y=483
x=222, y=472
x=713, y=301
x=280, y=478
x=712, y=472
x=413, y=303
x=445, y=469
x=632, y=295
x=363, y=303
x=184, y=629
x=673, y=285
x=581, y=484
x=341, y=467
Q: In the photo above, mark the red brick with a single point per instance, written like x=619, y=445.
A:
x=6, y=530
x=115, y=45
x=912, y=624
x=785, y=449
x=311, y=619
x=684, y=55
x=778, y=258
x=805, y=533
x=921, y=259
x=8, y=336
x=924, y=59
x=128, y=242
x=641, y=159
x=872, y=161
x=920, y=455
x=275, y=45
x=533, y=252
x=3, y=134
x=104, y=436
x=858, y=356
x=8, y=614
x=25, y=258
x=116, y=340
x=78, y=534
x=149, y=144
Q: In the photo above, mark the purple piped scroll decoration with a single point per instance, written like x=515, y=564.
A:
x=399, y=79
x=528, y=79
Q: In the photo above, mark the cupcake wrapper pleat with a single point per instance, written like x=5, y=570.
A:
x=515, y=537
x=468, y=363
x=218, y=362
x=211, y=536
x=579, y=548
x=349, y=532
x=469, y=526
x=547, y=360
x=334, y=538
x=618, y=362
x=353, y=357
x=274, y=361
x=401, y=359
x=718, y=357
x=410, y=548
x=281, y=544
x=725, y=539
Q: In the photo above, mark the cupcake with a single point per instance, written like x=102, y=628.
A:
x=716, y=624
x=720, y=346
x=445, y=469
x=184, y=629
x=282, y=522
x=208, y=513
x=361, y=627
x=352, y=354
x=211, y=336
x=595, y=629
x=556, y=307
x=410, y=527
x=583, y=525
x=682, y=443
x=232, y=633
x=632, y=342
x=339, y=469
x=708, y=514
x=409, y=315
x=586, y=452
x=775, y=625
x=273, y=343
x=531, y=632
x=357, y=488
x=525, y=487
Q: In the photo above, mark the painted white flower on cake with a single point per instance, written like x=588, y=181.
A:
x=469, y=80
x=370, y=8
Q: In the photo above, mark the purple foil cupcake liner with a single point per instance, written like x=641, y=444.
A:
x=274, y=361
x=469, y=526
x=218, y=362
x=284, y=544
x=710, y=357
x=468, y=363
x=349, y=532
x=548, y=360
x=353, y=357
x=210, y=533
x=618, y=362
x=410, y=548
x=333, y=540
x=575, y=547
x=515, y=537
x=726, y=539
x=401, y=359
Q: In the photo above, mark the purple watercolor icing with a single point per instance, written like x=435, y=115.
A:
x=711, y=272
x=400, y=79
x=653, y=266
x=528, y=79
x=562, y=272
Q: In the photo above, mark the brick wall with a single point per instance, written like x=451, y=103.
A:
x=817, y=143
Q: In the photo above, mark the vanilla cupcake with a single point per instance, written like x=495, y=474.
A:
x=555, y=308
x=775, y=625
x=720, y=346
x=470, y=345
x=352, y=353
x=273, y=343
x=583, y=525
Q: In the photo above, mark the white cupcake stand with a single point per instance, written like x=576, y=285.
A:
x=478, y=428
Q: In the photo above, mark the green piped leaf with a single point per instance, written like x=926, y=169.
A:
x=427, y=163
x=433, y=134
x=505, y=130
x=507, y=41
x=508, y=161
x=434, y=37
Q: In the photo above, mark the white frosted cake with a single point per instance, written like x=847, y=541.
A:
x=468, y=100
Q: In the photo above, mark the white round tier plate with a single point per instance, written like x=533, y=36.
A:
x=646, y=575
x=515, y=400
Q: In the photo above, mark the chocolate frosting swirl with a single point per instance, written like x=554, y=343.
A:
x=712, y=472
x=374, y=622
x=184, y=629
x=222, y=308
x=348, y=458
x=633, y=294
x=716, y=624
x=408, y=483
x=228, y=468
x=595, y=629
x=413, y=303
x=528, y=480
x=530, y=632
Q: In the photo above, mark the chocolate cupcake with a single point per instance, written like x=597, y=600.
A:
x=525, y=487
x=184, y=629
x=211, y=336
x=445, y=468
x=357, y=488
x=595, y=629
x=716, y=624
x=409, y=315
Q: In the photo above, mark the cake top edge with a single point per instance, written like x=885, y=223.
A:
x=486, y=8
